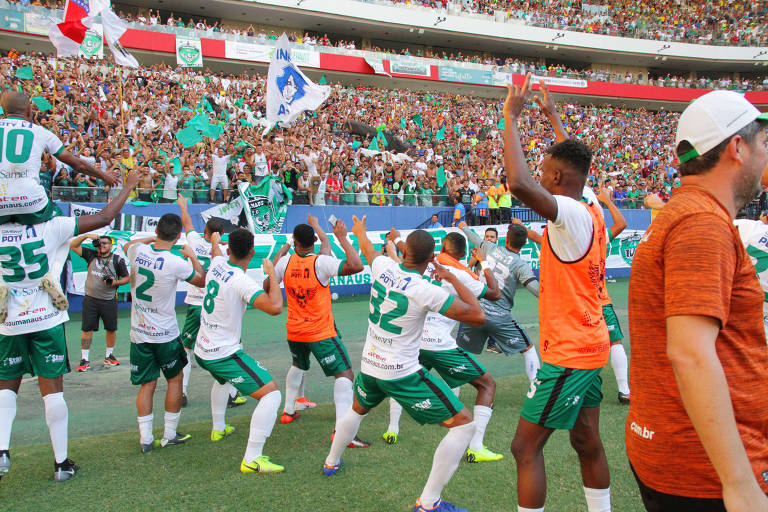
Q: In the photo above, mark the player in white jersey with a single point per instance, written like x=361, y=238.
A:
x=32, y=336
x=401, y=297
x=22, y=198
x=754, y=236
x=229, y=290
x=155, y=343
x=201, y=245
x=440, y=351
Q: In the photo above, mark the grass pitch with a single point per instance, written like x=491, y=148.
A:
x=204, y=476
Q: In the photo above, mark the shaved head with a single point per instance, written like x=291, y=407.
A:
x=15, y=103
x=420, y=247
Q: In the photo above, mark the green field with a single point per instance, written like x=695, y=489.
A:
x=204, y=476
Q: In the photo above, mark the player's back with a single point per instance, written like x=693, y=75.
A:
x=23, y=144
x=27, y=254
x=155, y=274
x=229, y=290
x=400, y=301
x=509, y=269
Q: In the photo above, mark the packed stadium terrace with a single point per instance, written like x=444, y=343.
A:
x=459, y=135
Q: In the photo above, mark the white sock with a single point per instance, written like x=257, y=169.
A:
x=620, y=365
x=219, y=398
x=482, y=416
x=531, y=363
x=262, y=422
x=598, y=500
x=109, y=352
x=232, y=390
x=446, y=460
x=171, y=422
x=342, y=397
x=145, y=429
x=86, y=354
x=395, y=411
x=57, y=418
x=346, y=431
x=292, y=384
x=523, y=509
x=300, y=392
x=456, y=391
x=7, y=415
x=187, y=370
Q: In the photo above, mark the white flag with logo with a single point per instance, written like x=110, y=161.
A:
x=289, y=91
x=114, y=28
x=189, y=52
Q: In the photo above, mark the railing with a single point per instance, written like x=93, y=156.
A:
x=51, y=15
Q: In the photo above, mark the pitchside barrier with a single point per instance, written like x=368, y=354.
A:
x=620, y=251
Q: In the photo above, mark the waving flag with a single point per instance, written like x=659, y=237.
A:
x=289, y=91
x=78, y=18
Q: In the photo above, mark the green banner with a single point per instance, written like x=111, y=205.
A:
x=265, y=205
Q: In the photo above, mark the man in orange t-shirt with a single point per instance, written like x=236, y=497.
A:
x=696, y=431
x=310, y=325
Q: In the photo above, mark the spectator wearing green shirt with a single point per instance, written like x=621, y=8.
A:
x=187, y=183
x=202, y=189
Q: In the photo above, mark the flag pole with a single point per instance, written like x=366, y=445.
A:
x=55, y=76
x=122, y=118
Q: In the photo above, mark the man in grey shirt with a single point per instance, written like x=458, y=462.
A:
x=106, y=272
x=509, y=269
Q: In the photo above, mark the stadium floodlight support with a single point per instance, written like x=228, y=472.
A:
x=440, y=19
x=558, y=36
x=665, y=47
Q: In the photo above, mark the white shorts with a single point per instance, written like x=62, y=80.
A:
x=219, y=181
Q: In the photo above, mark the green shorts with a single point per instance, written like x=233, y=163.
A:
x=330, y=353
x=239, y=369
x=614, y=328
x=426, y=398
x=42, y=353
x=147, y=359
x=558, y=394
x=191, y=326
x=43, y=215
x=455, y=366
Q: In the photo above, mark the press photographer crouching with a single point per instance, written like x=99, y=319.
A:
x=106, y=272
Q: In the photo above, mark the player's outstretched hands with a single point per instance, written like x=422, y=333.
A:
x=392, y=252
x=182, y=201
x=478, y=254
x=603, y=195
x=215, y=238
x=440, y=273
x=358, y=226
x=187, y=252
x=393, y=234
x=517, y=97
x=516, y=221
x=340, y=230
x=132, y=179
x=653, y=201
x=462, y=225
x=110, y=178
x=545, y=101
x=312, y=220
x=267, y=267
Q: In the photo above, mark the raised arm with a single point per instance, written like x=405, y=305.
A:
x=325, y=242
x=270, y=302
x=112, y=209
x=354, y=264
x=199, y=278
x=473, y=237
x=186, y=220
x=466, y=308
x=215, y=247
x=547, y=104
x=135, y=241
x=619, y=222
x=75, y=244
x=84, y=167
x=532, y=235
x=493, y=292
x=519, y=178
x=366, y=247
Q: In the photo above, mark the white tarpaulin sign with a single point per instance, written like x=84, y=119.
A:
x=189, y=52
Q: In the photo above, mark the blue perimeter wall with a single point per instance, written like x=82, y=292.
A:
x=377, y=219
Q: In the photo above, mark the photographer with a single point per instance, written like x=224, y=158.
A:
x=106, y=272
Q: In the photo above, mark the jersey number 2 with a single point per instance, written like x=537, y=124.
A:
x=141, y=290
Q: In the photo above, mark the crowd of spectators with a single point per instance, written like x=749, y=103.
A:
x=453, y=142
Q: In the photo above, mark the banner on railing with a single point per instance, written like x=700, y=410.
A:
x=465, y=75
x=189, y=52
x=620, y=253
x=500, y=78
x=123, y=222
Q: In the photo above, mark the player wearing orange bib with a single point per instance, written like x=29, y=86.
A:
x=310, y=326
x=573, y=337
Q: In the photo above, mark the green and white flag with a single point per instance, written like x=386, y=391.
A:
x=189, y=53
x=92, y=46
x=265, y=205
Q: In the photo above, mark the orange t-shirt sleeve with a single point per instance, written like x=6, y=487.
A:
x=699, y=265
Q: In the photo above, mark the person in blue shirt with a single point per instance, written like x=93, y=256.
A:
x=433, y=224
x=459, y=211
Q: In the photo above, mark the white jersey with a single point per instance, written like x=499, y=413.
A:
x=261, y=168
x=202, y=250
x=27, y=253
x=154, y=277
x=400, y=301
x=230, y=291
x=438, y=329
x=220, y=164
x=21, y=152
x=754, y=236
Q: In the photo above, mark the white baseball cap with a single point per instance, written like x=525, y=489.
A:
x=712, y=118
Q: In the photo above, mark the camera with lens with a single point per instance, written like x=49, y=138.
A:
x=109, y=281
x=97, y=243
